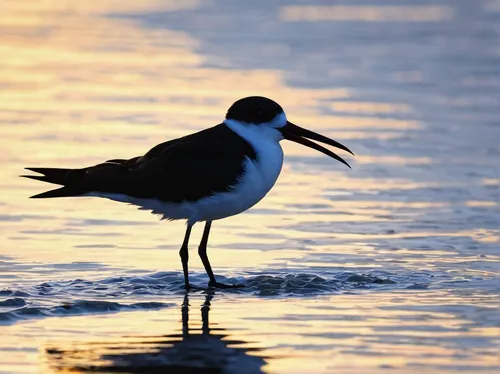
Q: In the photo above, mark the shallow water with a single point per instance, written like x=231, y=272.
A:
x=392, y=266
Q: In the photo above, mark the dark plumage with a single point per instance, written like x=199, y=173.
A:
x=171, y=171
x=254, y=109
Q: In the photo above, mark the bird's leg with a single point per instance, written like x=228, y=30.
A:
x=183, y=252
x=202, y=251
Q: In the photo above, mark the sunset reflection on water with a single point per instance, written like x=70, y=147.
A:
x=392, y=265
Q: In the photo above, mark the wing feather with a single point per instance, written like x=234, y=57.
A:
x=183, y=169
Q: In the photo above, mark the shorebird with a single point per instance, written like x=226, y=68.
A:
x=202, y=177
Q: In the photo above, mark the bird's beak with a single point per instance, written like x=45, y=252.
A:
x=300, y=135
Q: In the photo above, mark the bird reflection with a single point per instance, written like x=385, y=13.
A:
x=194, y=350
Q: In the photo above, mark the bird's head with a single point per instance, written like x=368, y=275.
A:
x=258, y=112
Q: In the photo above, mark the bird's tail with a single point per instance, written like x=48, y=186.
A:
x=56, y=176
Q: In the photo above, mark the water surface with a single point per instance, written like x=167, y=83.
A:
x=392, y=266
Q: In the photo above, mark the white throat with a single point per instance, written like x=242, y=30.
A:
x=255, y=134
x=265, y=141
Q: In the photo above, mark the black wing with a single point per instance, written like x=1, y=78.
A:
x=183, y=169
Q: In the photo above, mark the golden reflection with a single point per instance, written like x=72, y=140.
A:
x=339, y=333
x=491, y=182
x=188, y=349
x=80, y=66
x=93, y=7
x=402, y=13
x=394, y=160
x=370, y=108
x=341, y=122
x=71, y=93
x=482, y=203
x=79, y=87
x=483, y=236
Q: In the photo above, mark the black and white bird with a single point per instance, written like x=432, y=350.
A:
x=202, y=177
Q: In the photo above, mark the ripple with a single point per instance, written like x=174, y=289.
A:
x=80, y=296
x=81, y=307
x=16, y=301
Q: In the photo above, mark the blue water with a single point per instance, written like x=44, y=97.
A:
x=391, y=266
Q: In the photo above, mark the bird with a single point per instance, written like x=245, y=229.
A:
x=205, y=176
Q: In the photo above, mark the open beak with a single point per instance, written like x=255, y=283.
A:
x=300, y=135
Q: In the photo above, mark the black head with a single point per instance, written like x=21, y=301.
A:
x=258, y=110
x=254, y=109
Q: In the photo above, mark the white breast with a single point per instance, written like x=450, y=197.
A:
x=257, y=180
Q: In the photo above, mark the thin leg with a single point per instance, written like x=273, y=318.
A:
x=185, y=256
x=202, y=251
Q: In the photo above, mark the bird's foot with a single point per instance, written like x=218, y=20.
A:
x=223, y=285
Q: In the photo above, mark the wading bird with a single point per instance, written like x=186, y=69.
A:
x=209, y=175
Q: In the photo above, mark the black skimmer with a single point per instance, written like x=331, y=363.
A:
x=202, y=177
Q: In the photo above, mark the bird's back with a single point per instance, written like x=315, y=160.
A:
x=183, y=169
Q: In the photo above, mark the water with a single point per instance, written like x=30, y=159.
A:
x=392, y=266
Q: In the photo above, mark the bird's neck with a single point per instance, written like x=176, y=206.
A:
x=265, y=142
